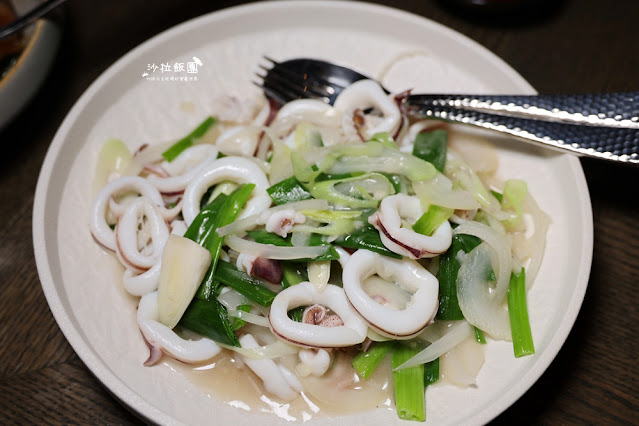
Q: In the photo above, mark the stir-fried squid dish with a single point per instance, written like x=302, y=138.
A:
x=307, y=240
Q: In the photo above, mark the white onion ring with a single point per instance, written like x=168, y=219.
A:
x=439, y=191
x=481, y=308
x=452, y=338
x=270, y=251
x=503, y=264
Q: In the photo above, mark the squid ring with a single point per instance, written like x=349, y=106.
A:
x=100, y=229
x=308, y=335
x=405, y=241
x=409, y=275
x=368, y=93
x=126, y=234
x=236, y=169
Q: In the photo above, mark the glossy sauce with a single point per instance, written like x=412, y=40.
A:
x=339, y=391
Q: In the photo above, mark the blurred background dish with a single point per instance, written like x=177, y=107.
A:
x=25, y=58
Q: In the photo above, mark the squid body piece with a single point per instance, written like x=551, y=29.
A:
x=351, y=332
x=388, y=220
x=162, y=339
x=316, y=360
x=277, y=379
x=141, y=284
x=408, y=274
x=235, y=169
x=365, y=94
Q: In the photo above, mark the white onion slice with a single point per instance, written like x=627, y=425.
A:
x=270, y=251
x=503, y=264
x=461, y=364
x=319, y=274
x=439, y=191
x=452, y=338
x=480, y=307
x=249, y=317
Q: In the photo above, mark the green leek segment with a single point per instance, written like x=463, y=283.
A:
x=410, y=395
x=518, y=313
x=188, y=140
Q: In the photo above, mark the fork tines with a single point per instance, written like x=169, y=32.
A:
x=285, y=83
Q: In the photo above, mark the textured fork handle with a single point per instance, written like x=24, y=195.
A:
x=605, y=109
x=612, y=143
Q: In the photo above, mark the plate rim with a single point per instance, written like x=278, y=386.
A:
x=108, y=379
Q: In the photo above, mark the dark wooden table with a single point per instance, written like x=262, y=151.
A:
x=578, y=46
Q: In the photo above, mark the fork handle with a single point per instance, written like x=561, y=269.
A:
x=605, y=109
x=608, y=142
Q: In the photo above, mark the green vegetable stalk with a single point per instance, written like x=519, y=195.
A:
x=187, y=141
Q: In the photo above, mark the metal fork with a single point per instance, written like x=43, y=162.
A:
x=604, y=126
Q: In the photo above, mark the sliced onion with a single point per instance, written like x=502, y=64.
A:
x=503, y=264
x=231, y=299
x=480, y=307
x=439, y=191
x=249, y=317
x=452, y=338
x=461, y=364
x=478, y=152
x=532, y=246
x=319, y=274
x=270, y=251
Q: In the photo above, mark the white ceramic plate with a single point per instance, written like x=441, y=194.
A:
x=82, y=282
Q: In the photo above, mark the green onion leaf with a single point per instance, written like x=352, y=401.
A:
x=385, y=139
x=431, y=146
x=239, y=322
x=479, y=336
x=226, y=214
x=209, y=318
x=366, y=237
x=449, y=309
x=288, y=191
x=432, y=219
x=244, y=284
x=296, y=314
x=431, y=372
x=366, y=362
x=293, y=273
x=187, y=141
